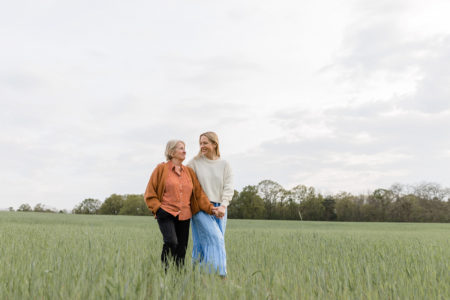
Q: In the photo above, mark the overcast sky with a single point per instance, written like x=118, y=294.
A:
x=338, y=95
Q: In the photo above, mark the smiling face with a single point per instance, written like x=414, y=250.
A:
x=207, y=148
x=179, y=152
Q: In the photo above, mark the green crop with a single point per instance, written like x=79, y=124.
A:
x=55, y=256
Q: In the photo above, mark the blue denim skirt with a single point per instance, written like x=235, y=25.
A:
x=208, y=233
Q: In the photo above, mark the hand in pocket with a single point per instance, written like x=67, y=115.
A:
x=160, y=213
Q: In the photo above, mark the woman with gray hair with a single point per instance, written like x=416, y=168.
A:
x=174, y=195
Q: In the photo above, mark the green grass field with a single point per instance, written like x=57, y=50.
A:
x=55, y=256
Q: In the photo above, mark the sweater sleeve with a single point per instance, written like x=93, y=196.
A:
x=151, y=195
x=228, y=190
x=202, y=200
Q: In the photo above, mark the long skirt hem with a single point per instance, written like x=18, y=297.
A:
x=208, y=243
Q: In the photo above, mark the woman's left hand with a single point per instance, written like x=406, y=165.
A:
x=220, y=212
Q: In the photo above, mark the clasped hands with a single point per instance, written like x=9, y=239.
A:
x=219, y=211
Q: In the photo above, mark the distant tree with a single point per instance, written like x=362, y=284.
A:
x=42, y=208
x=312, y=208
x=291, y=209
x=345, y=207
x=271, y=193
x=431, y=191
x=399, y=190
x=87, y=206
x=402, y=209
x=301, y=192
x=248, y=204
x=329, y=205
x=39, y=208
x=11, y=208
x=112, y=205
x=24, y=207
x=232, y=210
x=134, y=205
x=379, y=204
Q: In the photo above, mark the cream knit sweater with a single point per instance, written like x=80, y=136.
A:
x=216, y=178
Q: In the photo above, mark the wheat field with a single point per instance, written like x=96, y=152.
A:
x=60, y=256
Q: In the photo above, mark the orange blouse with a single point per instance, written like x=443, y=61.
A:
x=156, y=187
x=177, y=193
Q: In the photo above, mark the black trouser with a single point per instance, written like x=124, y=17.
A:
x=175, y=235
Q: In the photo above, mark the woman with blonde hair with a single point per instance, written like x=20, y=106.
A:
x=208, y=231
x=174, y=195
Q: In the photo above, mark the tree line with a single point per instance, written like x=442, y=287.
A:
x=426, y=202
x=115, y=204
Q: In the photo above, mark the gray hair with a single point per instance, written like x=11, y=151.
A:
x=170, y=148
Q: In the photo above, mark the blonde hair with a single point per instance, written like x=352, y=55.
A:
x=170, y=148
x=213, y=138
